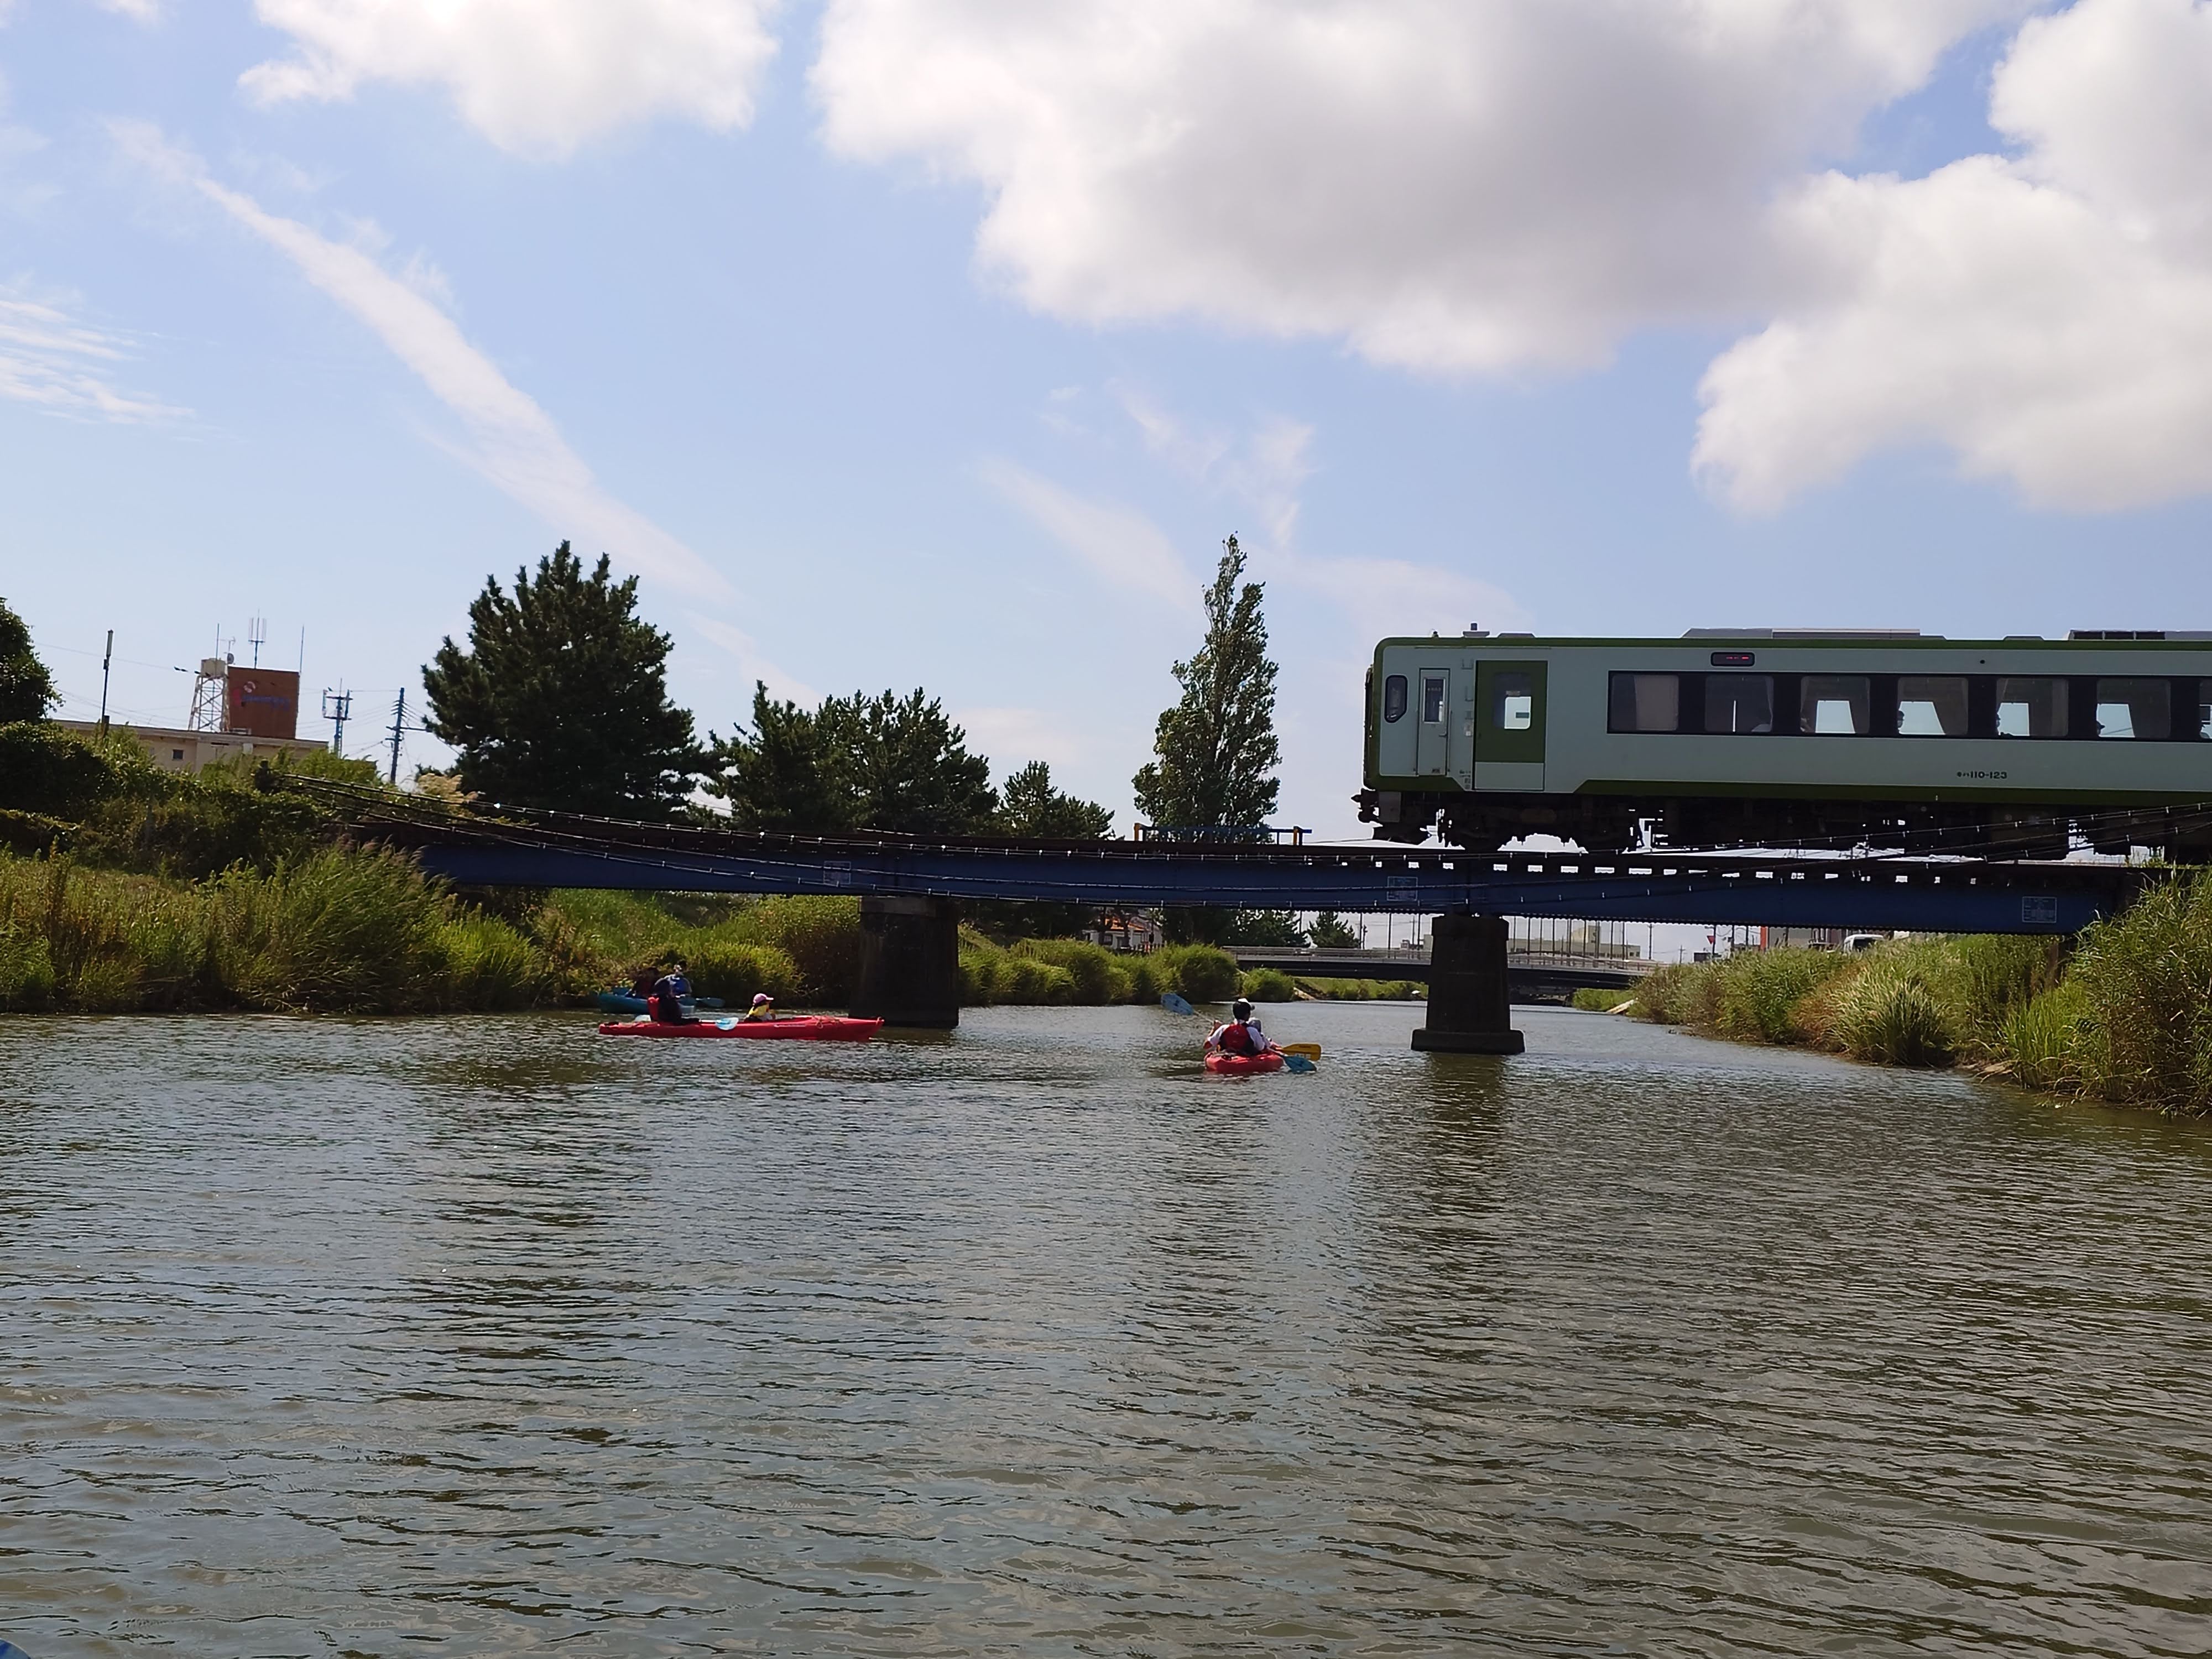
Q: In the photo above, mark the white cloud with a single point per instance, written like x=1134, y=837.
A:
x=2047, y=318
x=141, y=11
x=55, y=363
x=1122, y=547
x=536, y=77
x=512, y=441
x=1448, y=186
x=1265, y=470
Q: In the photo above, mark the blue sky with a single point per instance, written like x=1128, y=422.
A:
x=939, y=341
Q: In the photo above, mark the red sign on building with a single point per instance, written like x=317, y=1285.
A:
x=263, y=702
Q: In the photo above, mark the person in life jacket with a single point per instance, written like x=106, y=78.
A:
x=763, y=1007
x=666, y=1003
x=1241, y=1035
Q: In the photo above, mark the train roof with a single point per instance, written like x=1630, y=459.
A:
x=1900, y=638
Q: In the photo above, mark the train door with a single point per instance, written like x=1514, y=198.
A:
x=1434, y=685
x=1509, y=742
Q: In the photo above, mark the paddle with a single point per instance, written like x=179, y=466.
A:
x=1176, y=1004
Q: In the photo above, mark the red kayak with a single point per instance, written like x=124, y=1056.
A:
x=800, y=1028
x=1241, y=1064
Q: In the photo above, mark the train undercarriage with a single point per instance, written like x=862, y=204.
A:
x=1605, y=823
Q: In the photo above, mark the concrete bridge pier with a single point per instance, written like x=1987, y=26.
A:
x=1468, y=1010
x=909, y=961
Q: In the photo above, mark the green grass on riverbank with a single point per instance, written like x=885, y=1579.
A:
x=348, y=930
x=2127, y=1018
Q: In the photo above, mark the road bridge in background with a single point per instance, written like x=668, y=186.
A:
x=1531, y=975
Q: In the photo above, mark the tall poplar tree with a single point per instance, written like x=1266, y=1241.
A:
x=1215, y=750
x=561, y=700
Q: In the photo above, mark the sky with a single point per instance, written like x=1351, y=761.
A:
x=940, y=342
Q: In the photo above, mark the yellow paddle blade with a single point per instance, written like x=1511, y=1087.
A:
x=1305, y=1050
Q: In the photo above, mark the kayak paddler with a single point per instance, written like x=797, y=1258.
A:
x=1241, y=1035
x=665, y=1005
x=763, y=1007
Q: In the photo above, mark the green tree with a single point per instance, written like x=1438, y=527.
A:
x=26, y=690
x=857, y=763
x=1330, y=931
x=911, y=769
x=1274, y=929
x=1029, y=806
x=1215, y=750
x=561, y=699
x=790, y=774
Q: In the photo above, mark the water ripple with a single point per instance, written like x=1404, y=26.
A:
x=368, y=1338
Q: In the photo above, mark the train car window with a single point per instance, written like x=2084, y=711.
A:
x=1394, y=698
x=1836, y=706
x=2134, y=708
x=2031, y=708
x=1644, y=703
x=1512, y=701
x=2204, y=708
x=1738, y=703
x=1433, y=698
x=1931, y=706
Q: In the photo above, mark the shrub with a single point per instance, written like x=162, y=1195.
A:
x=46, y=771
x=1755, y=992
x=1268, y=985
x=1098, y=977
x=1662, y=998
x=2145, y=980
x=1598, y=999
x=1202, y=973
x=2043, y=1042
x=340, y=932
x=819, y=933
x=1888, y=1013
x=1143, y=979
x=26, y=973
x=738, y=973
x=488, y=965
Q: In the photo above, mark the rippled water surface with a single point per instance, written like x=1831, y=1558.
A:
x=491, y=1336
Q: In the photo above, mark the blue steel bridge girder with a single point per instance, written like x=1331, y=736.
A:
x=1915, y=895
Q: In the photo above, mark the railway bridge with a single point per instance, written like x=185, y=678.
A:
x=910, y=889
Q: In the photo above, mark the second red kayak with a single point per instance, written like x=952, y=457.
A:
x=802, y=1028
x=1243, y=1064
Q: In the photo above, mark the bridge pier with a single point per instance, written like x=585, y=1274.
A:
x=909, y=961
x=1468, y=1010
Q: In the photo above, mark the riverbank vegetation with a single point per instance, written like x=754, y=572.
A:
x=2125, y=1019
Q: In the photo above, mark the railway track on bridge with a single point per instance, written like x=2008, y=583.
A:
x=476, y=847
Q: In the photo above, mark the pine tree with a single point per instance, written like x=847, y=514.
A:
x=1216, y=748
x=561, y=699
x=26, y=690
x=1029, y=806
x=857, y=763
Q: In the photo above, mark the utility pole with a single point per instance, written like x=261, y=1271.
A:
x=106, y=657
x=398, y=724
x=337, y=708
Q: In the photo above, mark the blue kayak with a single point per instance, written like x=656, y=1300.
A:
x=622, y=1002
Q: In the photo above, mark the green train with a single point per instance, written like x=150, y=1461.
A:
x=1783, y=738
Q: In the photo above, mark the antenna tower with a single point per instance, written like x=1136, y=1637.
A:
x=257, y=631
x=211, y=690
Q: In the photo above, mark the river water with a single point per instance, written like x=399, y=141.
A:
x=491, y=1336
